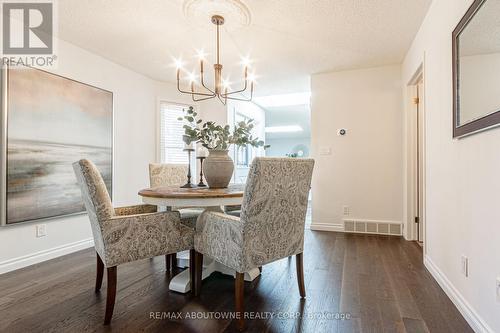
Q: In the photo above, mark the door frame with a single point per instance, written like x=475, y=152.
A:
x=410, y=156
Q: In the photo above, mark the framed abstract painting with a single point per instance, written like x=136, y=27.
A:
x=47, y=123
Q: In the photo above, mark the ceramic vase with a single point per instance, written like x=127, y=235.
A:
x=218, y=168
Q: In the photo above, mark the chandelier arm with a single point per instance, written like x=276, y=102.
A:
x=203, y=83
x=197, y=93
x=244, y=99
x=201, y=99
x=222, y=101
x=180, y=90
x=192, y=92
x=240, y=99
x=237, y=91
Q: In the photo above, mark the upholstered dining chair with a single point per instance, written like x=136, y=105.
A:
x=126, y=234
x=169, y=174
x=271, y=226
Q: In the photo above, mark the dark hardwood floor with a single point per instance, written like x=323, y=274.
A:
x=379, y=282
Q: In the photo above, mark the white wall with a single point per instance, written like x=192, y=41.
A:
x=135, y=103
x=462, y=179
x=214, y=110
x=364, y=170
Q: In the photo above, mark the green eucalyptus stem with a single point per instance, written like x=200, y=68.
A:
x=213, y=136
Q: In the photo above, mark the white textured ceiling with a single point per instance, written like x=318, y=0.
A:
x=482, y=33
x=288, y=39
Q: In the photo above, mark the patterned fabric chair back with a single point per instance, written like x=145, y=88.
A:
x=96, y=198
x=167, y=174
x=274, y=207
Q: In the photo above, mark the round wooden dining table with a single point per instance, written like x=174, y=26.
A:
x=198, y=197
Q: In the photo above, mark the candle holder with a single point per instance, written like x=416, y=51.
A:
x=188, y=184
x=201, y=183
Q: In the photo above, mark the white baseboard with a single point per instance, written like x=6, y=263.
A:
x=37, y=257
x=472, y=317
x=327, y=227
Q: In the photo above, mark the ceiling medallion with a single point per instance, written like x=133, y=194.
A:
x=220, y=89
x=200, y=11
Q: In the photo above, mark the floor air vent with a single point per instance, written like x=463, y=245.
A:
x=373, y=227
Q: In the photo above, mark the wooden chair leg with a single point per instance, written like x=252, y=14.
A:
x=111, y=296
x=168, y=262
x=239, y=285
x=174, y=260
x=192, y=270
x=100, y=273
x=300, y=274
x=198, y=268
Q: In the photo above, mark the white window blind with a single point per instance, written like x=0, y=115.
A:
x=171, y=131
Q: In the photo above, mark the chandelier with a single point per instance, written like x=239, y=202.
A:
x=199, y=90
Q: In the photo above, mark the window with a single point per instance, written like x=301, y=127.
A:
x=242, y=153
x=171, y=132
x=242, y=156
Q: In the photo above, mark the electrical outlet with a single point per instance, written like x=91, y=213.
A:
x=465, y=266
x=41, y=230
x=498, y=289
x=346, y=210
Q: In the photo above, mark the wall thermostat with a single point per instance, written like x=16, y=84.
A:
x=342, y=132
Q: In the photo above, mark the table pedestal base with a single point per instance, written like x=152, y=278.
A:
x=183, y=259
x=181, y=282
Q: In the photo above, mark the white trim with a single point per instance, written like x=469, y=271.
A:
x=424, y=158
x=327, y=227
x=37, y=257
x=409, y=125
x=3, y=145
x=470, y=315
